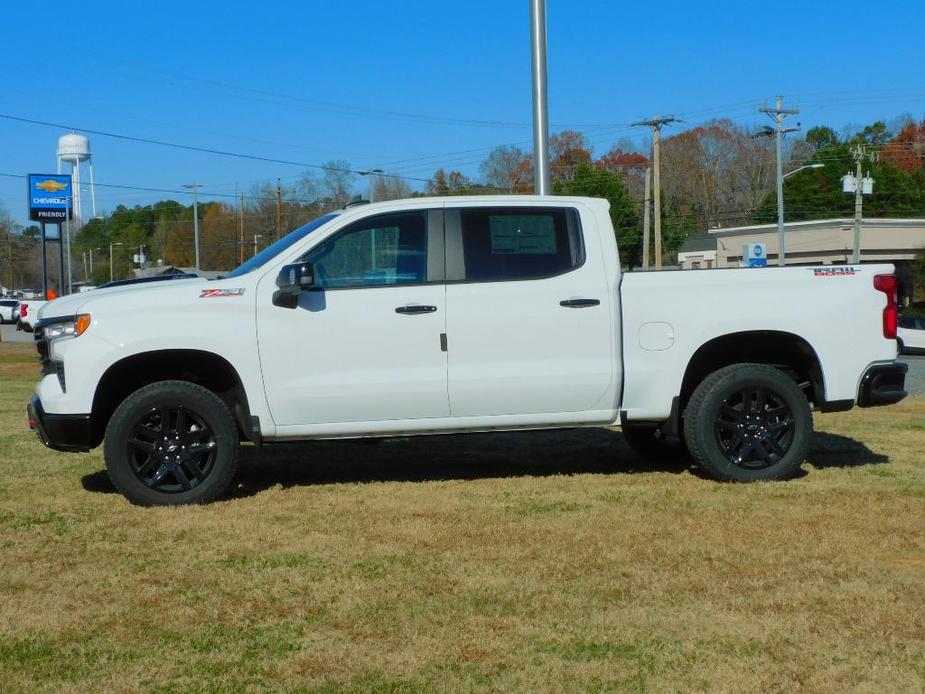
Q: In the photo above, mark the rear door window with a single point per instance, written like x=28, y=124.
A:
x=499, y=244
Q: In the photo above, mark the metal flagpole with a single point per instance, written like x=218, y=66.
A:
x=540, y=115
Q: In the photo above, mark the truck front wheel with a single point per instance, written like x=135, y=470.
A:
x=171, y=443
x=748, y=422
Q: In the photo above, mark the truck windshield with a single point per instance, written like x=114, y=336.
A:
x=275, y=249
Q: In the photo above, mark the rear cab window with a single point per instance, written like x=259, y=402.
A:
x=499, y=244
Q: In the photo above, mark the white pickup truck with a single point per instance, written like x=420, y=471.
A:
x=27, y=314
x=427, y=316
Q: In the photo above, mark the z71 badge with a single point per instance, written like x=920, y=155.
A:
x=209, y=293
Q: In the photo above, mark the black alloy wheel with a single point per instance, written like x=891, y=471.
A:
x=748, y=423
x=172, y=443
x=171, y=449
x=754, y=428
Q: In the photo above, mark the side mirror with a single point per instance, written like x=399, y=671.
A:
x=292, y=280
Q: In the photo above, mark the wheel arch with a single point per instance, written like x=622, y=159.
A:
x=784, y=350
x=207, y=369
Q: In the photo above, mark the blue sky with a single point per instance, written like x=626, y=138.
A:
x=409, y=86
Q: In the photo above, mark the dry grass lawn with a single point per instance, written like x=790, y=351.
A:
x=550, y=561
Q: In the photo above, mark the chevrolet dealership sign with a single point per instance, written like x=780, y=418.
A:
x=49, y=198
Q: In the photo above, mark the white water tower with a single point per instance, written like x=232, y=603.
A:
x=74, y=149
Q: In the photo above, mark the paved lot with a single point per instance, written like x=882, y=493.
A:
x=915, y=379
x=8, y=333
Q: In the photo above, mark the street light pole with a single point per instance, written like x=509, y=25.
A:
x=195, y=188
x=67, y=245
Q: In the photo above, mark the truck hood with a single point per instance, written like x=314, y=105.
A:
x=82, y=301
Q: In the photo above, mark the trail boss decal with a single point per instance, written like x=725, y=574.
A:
x=838, y=271
x=210, y=293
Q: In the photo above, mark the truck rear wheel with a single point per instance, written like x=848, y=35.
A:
x=748, y=422
x=171, y=443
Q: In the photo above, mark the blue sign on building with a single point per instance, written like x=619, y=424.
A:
x=50, y=198
x=755, y=255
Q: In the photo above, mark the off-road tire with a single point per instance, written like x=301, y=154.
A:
x=775, y=428
x=174, y=413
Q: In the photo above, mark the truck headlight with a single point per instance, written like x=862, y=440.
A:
x=74, y=327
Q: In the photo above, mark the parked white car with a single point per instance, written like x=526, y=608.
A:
x=459, y=314
x=911, y=335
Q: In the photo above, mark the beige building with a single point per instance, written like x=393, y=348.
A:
x=817, y=242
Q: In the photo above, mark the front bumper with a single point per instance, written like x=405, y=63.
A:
x=62, y=432
x=883, y=384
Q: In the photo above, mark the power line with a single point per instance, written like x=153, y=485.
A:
x=194, y=148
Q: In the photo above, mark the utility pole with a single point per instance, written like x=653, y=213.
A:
x=656, y=125
x=195, y=187
x=860, y=154
x=256, y=236
x=241, y=231
x=647, y=205
x=9, y=247
x=110, y=258
x=279, y=208
x=540, y=112
x=370, y=182
x=778, y=114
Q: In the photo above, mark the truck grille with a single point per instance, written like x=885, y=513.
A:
x=41, y=345
x=59, y=369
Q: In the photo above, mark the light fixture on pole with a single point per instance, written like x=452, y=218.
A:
x=808, y=166
x=195, y=188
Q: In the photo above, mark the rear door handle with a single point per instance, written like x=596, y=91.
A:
x=415, y=309
x=579, y=303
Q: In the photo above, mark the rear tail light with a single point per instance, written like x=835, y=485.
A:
x=23, y=310
x=889, y=286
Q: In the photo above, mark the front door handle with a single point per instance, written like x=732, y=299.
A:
x=415, y=309
x=579, y=303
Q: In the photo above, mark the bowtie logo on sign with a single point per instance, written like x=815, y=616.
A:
x=50, y=198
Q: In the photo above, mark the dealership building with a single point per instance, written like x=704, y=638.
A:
x=817, y=242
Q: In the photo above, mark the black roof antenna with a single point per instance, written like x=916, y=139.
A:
x=356, y=200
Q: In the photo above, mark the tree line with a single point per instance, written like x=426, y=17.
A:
x=713, y=175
